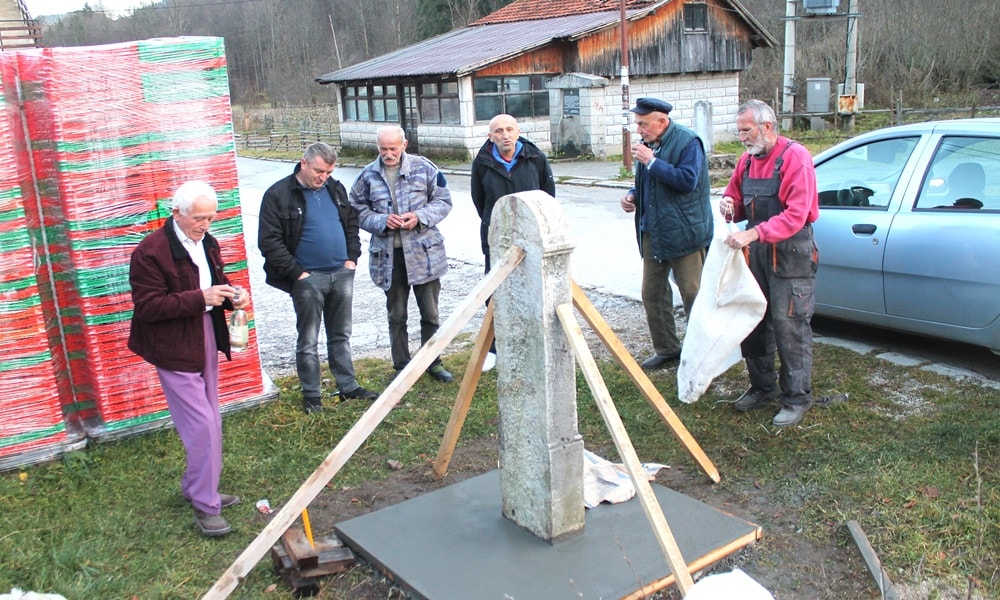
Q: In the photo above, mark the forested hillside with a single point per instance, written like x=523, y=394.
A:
x=921, y=49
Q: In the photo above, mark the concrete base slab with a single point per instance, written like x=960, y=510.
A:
x=454, y=543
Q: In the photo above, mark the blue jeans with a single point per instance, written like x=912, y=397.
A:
x=397, y=297
x=326, y=298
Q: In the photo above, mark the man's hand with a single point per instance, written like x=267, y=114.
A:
x=738, y=239
x=628, y=203
x=642, y=153
x=404, y=221
x=217, y=294
x=242, y=298
x=726, y=208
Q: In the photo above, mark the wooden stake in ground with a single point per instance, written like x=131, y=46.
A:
x=465, y=393
x=638, y=376
x=626, y=451
x=617, y=349
x=367, y=423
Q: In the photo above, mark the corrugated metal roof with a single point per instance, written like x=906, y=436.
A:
x=464, y=50
x=532, y=10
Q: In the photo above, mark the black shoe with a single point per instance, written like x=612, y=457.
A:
x=754, y=398
x=440, y=373
x=312, y=406
x=659, y=361
x=359, y=393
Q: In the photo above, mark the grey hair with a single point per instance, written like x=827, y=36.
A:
x=191, y=192
x=762, y=113
x=395, y=129
x=320, y=150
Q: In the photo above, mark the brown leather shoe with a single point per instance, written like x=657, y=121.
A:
x=211, y=525
x=224, y=500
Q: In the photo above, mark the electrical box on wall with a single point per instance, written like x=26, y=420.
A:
x=820, y=7
x=818, y=94
x=859, y=95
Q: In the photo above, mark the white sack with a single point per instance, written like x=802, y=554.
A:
x=728, y=586
x=728, y=306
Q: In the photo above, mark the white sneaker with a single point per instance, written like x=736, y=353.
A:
x=489, y=362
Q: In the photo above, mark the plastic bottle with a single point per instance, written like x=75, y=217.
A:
x=239, y=329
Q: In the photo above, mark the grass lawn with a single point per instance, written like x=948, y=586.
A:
x=912, y=455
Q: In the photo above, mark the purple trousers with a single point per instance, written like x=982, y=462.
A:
x=193, y=400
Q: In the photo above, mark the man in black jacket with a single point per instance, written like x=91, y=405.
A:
x=308, y=234
x=507, y=163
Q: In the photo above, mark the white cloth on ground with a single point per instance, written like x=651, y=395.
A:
x=604, y=481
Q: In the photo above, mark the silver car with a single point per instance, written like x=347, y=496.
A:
x=909, y=230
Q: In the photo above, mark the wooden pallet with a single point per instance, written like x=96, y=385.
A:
x=301, y=565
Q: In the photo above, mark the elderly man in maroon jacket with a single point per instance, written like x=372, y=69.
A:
x=179, y=293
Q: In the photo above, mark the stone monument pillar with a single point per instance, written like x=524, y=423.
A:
x=541, y=451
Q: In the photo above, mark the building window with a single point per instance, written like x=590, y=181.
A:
x=385, y=103
x=520, y=96
x=379, y=103
x=695, y=17
x=356, y=103
x=439, y=103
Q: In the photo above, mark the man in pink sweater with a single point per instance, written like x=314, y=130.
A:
x=774, y=190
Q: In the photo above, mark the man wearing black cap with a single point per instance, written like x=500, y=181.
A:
x=673, y=220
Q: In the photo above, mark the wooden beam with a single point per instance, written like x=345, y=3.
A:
x=638, y=376
x=871, y=559
x=367, y=423
x=465, y=393
x=650, y=505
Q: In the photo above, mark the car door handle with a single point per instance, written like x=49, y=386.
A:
x=863, y=229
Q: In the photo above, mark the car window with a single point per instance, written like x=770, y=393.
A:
x=864, y=176
x=963, y=175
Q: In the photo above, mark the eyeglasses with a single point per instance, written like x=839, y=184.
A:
x=745, y=133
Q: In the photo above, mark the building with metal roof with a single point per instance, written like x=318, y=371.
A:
x=556, y=66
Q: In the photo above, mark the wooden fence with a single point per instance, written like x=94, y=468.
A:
x=285, y=141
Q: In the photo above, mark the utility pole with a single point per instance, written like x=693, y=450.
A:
x=850, y=72
x=626, y=138
x=788, y=89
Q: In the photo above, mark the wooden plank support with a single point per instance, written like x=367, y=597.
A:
x=300, y=585
x=299, y=550
x=465, y=393
x=650, y=505
x=333, y=556
x=872, y=560
x=638, y=376
x=366, y=424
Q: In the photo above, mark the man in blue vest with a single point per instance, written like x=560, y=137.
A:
x=673, y=220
